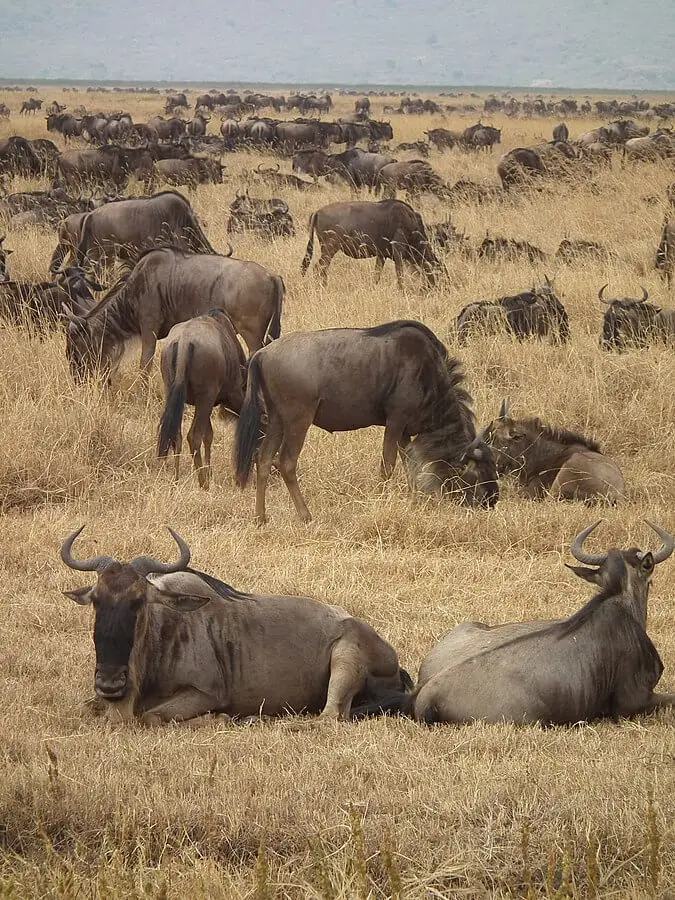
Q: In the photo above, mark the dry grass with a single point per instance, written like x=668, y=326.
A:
x=376, y=809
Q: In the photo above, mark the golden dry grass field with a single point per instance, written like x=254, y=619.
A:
x=384, y=808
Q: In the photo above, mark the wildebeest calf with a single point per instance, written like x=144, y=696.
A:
x=202, y=364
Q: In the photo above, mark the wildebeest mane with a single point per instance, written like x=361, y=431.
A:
x=389, y=327
x=226, y=591
x=559, y=435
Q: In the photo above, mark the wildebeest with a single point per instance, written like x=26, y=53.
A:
x=561, y=132
x=105, y=166
x=482, y=137
x=443, y=139
x=598, y=663
x=665, y=253
x=18, y=157
x=535, y=313
x=576, y=248
x=518, y=166
x=280, y=179
x=43, y=305
x=632, y=322
x=496, y=248
x=173, y=644
x=271, y=218
x=660, y=145
x=123, y=229
x=168, y=129
x=179, y=101
x=30, y=106
x=414, y=176
x=550, y=461
x=357, y=167
x=311, y=162
x=386, y=229
x=168, y=286
x=196, y=127
x=202, y=364
x=5, y=111
x=190, y=172
x=398, y=375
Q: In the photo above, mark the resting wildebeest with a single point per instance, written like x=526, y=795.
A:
x=174, y=644
x=665, y=253
x=168, y=286
x=518, y=166
x=362, y=229
x=124, y=229
x=202, y=364
x=552, y=462
x=632, y=322
x=535, y=313
x=598, y=663
x=18, y=157
x=189, y=172
x=415, y=176
x=572, y=249
x=271, y=218
x=42, y=305
x=398, y=375
x=497, y=248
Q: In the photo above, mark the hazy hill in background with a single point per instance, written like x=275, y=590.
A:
x=571, y=43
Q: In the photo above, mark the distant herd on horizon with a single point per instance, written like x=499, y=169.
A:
x=171, y=641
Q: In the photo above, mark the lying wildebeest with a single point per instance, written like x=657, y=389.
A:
x=599, y=663
x=271, y=218
x=18, y=157
x=189, y=172
x=415, y=176
x=467, y=191
x=168, y=286
x=518, y=166
x=449, y=238
x=124, y=229
x=561, y=132
x=203, y=364
x=398, y=375
x=572, y=249
x=420, y=147
x=174, y=644
x=536, y=313
x=4, y=265
x=43, y=305
x=496, y=248
x=665, y=253
x=361, y=229
x=551, y=461
x=281, y=179
x=632, y=322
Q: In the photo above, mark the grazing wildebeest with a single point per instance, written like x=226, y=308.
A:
x=518, y=166
x=498, y=248
x=4, y=266
x=414, y=176
x=467, y=191
x=561, y=132
x=442, y=138
x=30, y=106
x=362, y=106
x=482, y=137
x=42, y=305
x=271, y=218
x=357, y=167
x=386, y=229
x=552, y=462
x=572, y=249
x=535, y=313
x=168, y=286
x=202, y=364
x=665, y=253
x=104, y=165
x=632, y=322
x=122, y=230
x=168, y=129
x=599, y=663
x=190, y=172
x=174, y=644
x=398, y=375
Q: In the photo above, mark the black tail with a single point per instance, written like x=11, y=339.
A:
x=274, y=327
x=248, y=434
x=172, y=417
x=310, y=244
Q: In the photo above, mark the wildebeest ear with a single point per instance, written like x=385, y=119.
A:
x=591, y=575
x=83, y=596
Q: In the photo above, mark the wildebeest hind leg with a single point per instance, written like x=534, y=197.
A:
x=347, y=677
x=294, y=438
x=268, y=450
x=200, y=433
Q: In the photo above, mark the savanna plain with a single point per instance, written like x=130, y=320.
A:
x=381, y=808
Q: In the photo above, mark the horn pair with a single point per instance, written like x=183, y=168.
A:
x=597, y=559
x=144, y=565
x=643, y=299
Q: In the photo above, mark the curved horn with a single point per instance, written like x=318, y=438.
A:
x=230, y=249
x=144, y=565
x=644, y=295
x=591, y=559
x=601, y=292
x=239, y=194
x=667, y=543
x=95, y=564
x=258, y=169
x=504, y=410
x=277, y=168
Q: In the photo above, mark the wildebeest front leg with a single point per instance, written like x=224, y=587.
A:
x=148, y=346
x=186, y=705
x=379, y=266
x=393, y=437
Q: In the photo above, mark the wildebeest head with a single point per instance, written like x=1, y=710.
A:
x=627, y=321
x=118, y=597
x=625, y=573
x=79, y=285
x=509, y=439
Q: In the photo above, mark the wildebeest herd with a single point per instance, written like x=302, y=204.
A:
x=174, y=287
